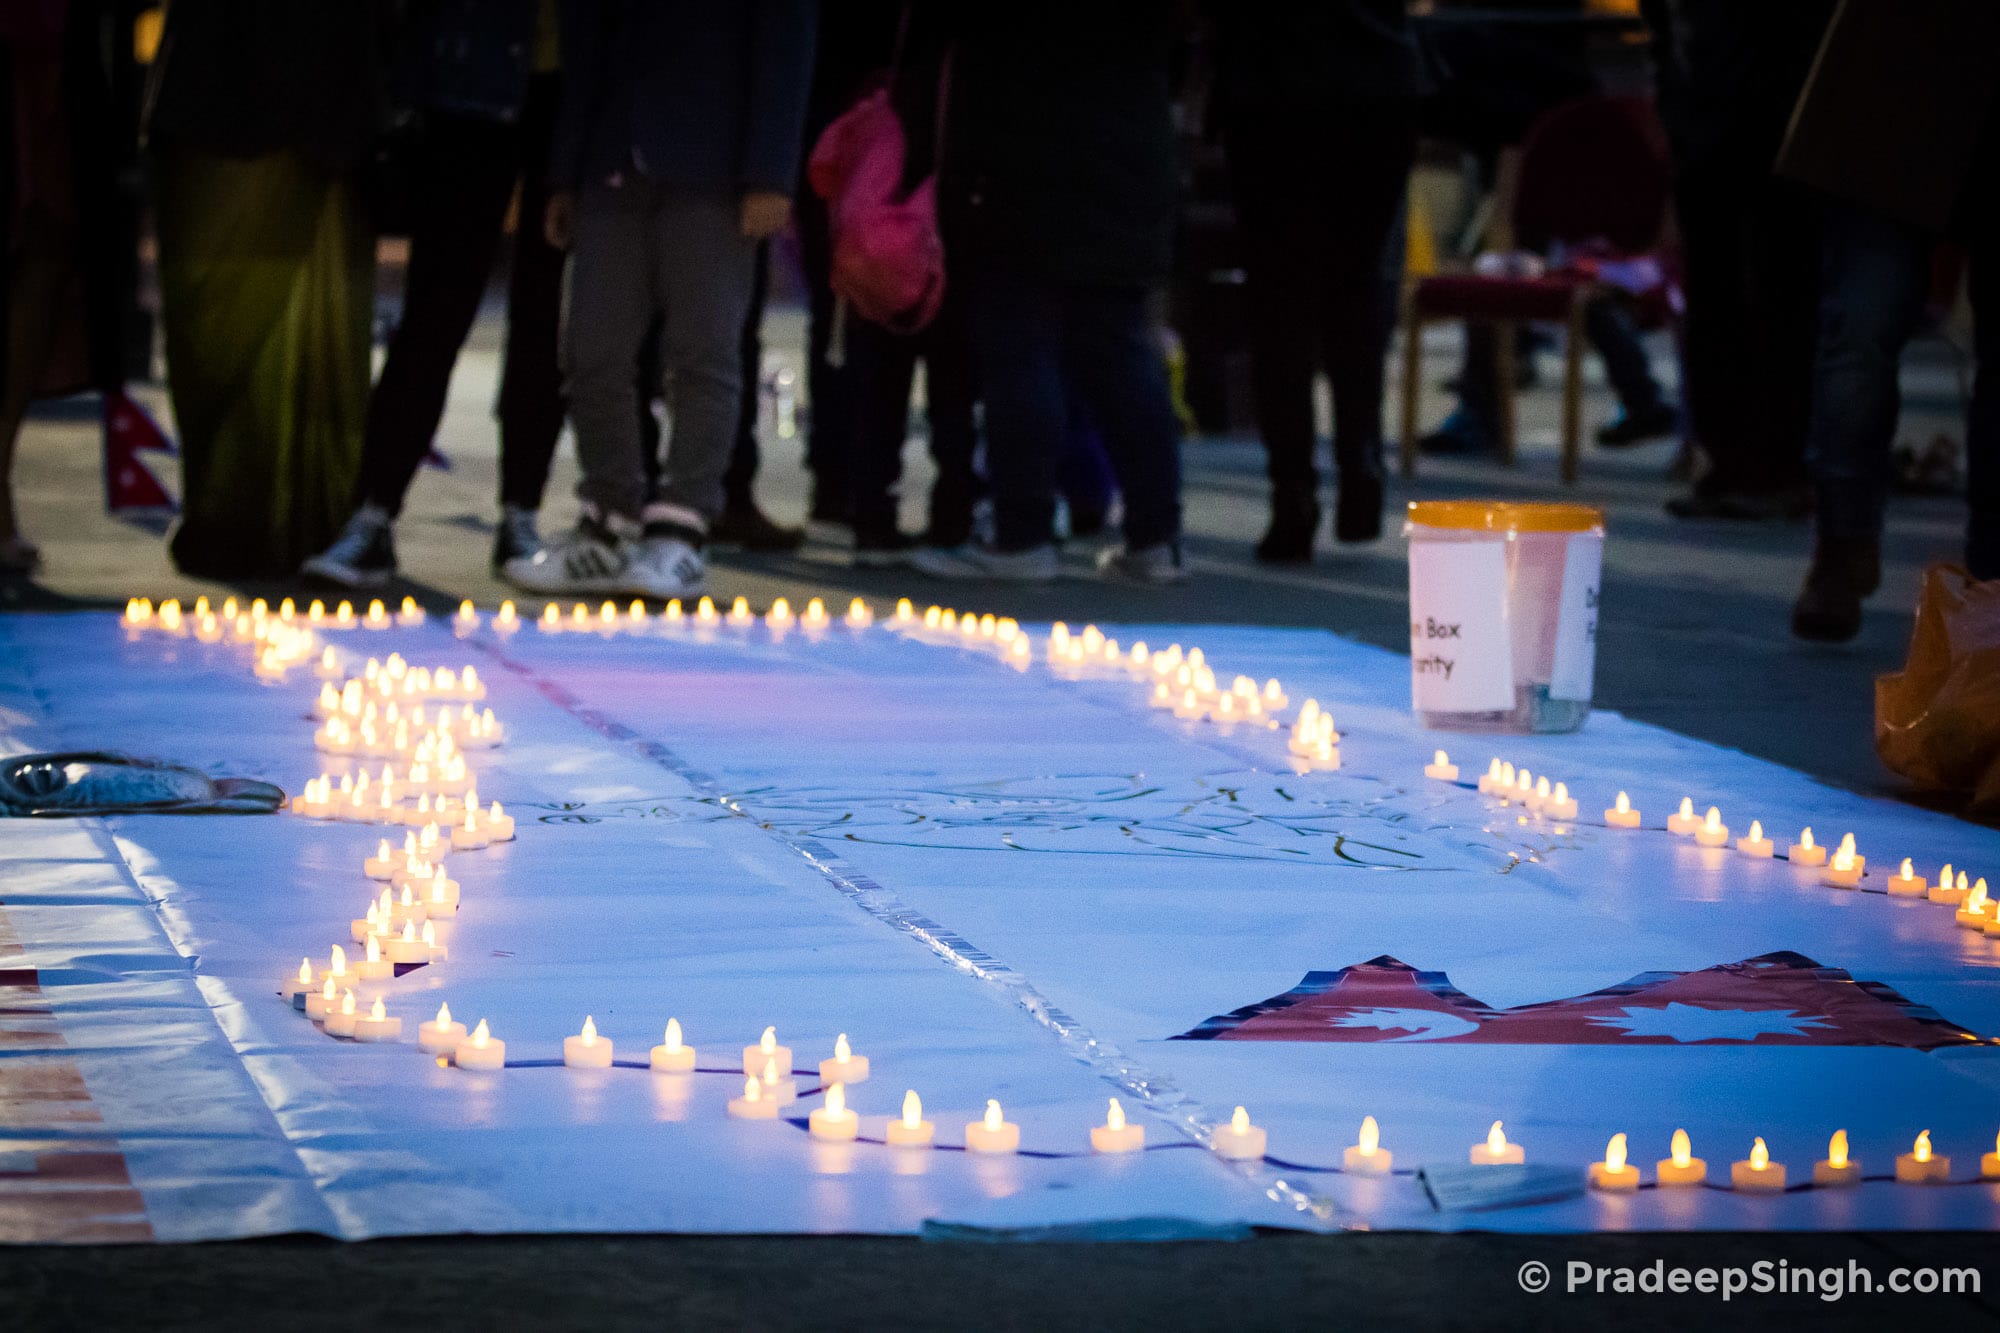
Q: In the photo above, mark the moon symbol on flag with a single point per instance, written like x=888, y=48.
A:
x=1419, y=1024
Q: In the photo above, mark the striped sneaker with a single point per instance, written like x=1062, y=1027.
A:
x=588, y=558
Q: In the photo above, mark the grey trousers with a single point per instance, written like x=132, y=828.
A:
x=644, y=249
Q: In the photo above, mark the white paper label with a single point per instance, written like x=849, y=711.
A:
x=1461, y=655
x=1576, y=624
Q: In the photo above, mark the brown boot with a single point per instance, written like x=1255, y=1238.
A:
x=1843, y=573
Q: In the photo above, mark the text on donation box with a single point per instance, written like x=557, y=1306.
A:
x=1461, y=654
x=1576, y=622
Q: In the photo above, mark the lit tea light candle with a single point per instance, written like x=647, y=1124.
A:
x=845, y=1066
x=1805, y=852
x=1560, y=804
x=905, y=612
x=673, y=1056
x=1907, y=883
x=1989, y=1163
x=1756, y=844
x=343, y=615
x=1239, y=1140
x=778, y=1085
x=375, y=967
x=433, y=951
x=499, y=824
x=1847, y=845
x=1613, y=1174
x=337, y=972
x=766, y=1048
x=467, y=618
x=1489, y=781
x=607, y=617
x=551, y=621
x=1440, y=768
x=1837, y=1170
x=378, y=1025
x=482, y=1050
x=1757, y=1174
x=579, y=616
x=1496, y=1151
x=739, y=612
x=779, y=616
x=1524, y=789
x=587, y=1050
x=1713, y=832
x=833, y=1122
x=410, y=614
x=752, y=1105
x=858, y=615
x=342, y=1020
x=303, y=984
x=1921, y=1166
x=1115, y=1135
x=324, y=1000
x=815, y=616
x=1543, y=794
x=1977, y=909
x=508, y=620
x=470, y=835
x=1947, y=891
x=1684, y=821
x=441, y=1034
x=1681, y=1166
x=910, y=1130
x=992, y=1133
x=1621, y=814
x=408, y=947
x=1367, y=1157
x=378, y=616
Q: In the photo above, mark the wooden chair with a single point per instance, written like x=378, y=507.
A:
x=1591, y=170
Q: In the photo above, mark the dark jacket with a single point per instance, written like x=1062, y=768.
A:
x=1059, y=142
x=469, y=57
x=1315, y=55
x=704, y=93
x=1729, y=74
x=243, y=78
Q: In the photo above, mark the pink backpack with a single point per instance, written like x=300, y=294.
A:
x=888, y=261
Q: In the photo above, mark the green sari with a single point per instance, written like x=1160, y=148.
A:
x=267, y=305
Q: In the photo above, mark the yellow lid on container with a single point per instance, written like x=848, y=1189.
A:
x=1505, y=516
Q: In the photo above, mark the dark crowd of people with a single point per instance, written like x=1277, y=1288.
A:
x=992, y=189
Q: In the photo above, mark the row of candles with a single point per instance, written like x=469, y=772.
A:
x=169, y=618
x=1974, y=906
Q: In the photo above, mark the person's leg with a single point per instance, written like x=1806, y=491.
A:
x=1017, y=331
x=829, y=427
x=1874, y=280
x=469, y=171
x=1284, y=251
x=705, y=274
x=880, y=365
x=950, y=392
x=1982, y=427
x=530, y=405
x=743, y=456
x=1715, y=383
x=42, y=278
x=1371, y=161
x=1614, y=335
x=1111, y=352
x=1784, y=272
x=609, y=302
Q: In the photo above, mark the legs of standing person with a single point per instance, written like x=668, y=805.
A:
x=742, y=522
x=530, y=406
x=1784, y=274
x=1873, y=283
x=829, y=430
x=1982, y=427
x=1371, y=161
x=1018, y=333
x=1282, y=253
x=704, y=275
x=608, y=305
x=469, y=171
x=1643, y=411
x=880, y=366
x=1111, y=354
x=950, y=393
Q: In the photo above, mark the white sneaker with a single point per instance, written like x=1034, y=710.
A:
x=665, y=568
x=590, y=558
x=1037, y=564
x=1149, y=564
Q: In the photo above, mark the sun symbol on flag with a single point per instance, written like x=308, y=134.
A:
x=1691, y=1023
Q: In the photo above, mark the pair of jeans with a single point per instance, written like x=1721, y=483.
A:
x=1875, y=281
x=646, y=250
x=1613, y=334
x=745, y=455
x=1318, y=192
x=1039, y=342
x=470, y=166
x=880, y=366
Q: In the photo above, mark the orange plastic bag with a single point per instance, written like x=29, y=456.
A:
x=1937, y=721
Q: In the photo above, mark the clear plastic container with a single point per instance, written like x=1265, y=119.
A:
x=1503, y=614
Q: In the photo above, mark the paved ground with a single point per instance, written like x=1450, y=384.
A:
x=1694, y=638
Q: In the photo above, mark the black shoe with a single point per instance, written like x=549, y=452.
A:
x=747, y=526
x=1357, y=510
x=1648, y=423
x=515, y=538
x=1460, y=434
x=1707, y=501
x=363, y=555
x=1294, y=521
x=1843, y=575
